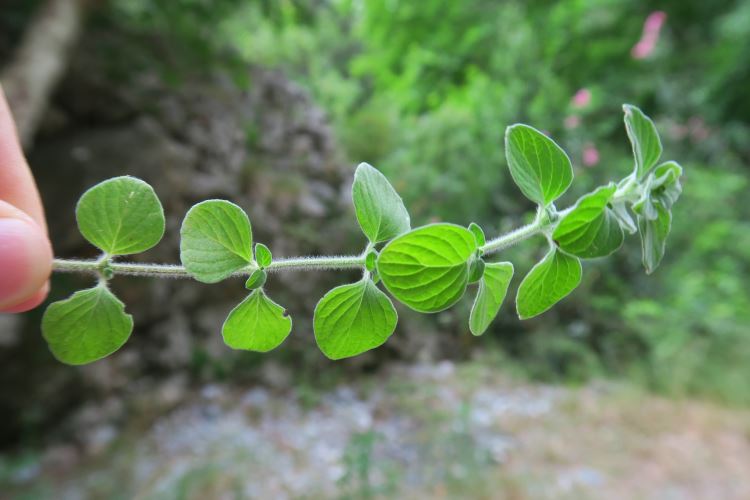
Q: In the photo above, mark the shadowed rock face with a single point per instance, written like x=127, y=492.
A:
x=267, y=148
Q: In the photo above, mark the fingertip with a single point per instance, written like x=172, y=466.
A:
x=30, y=303
x=25, y=263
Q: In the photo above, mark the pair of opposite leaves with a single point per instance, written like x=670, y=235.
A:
x=123, y=216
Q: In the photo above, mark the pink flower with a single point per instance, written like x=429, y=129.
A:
x=572, y=121
x=590, y=155
x=651, y=29
x=582, y=98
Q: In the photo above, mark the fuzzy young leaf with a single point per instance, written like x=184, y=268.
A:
x=490, y=295
x=216, y=240
x=666, y=187
x=428, y=268
x=549, y=281
x=256, y=324
x=90, y=325
x=380, y=210
x=263, y=256
x=644, y=138
x=478, y=234
x=256, y=280
x=537, y=164
x=591, y=229
x=654, y=237
x=352, y=319
x=621, y=212
x=121, y=216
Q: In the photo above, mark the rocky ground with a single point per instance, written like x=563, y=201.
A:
x=421, y=431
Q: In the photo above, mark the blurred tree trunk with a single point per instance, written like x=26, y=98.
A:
x=40, y=61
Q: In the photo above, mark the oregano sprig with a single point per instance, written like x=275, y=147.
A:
x=428, y=268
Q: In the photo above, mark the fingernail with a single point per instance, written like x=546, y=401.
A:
x=25, y=258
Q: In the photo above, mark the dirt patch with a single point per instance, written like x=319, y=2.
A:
x=424, y=431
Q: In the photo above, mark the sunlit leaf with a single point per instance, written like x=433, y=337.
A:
x=86, y=327
x=540, y=167
x=549, y=281
x=352, y=319
x=490, y=295
x=216, y=240
x=121, y=216
x=428, y=268
x=256, y=324
x=380, y=211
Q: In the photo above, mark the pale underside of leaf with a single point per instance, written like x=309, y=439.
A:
x=490, y=295
x=216, y=240
x=257, y=324
x=654, y=235
x=88, y=326
x=352, y=319
x=549, y=281
x=121, y=216
x=644, y=139
x=427, y=269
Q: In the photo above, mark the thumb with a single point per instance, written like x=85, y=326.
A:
x=25, y=260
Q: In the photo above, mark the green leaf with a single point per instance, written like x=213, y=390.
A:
x=478, y=234
x=256, y=324
x=549, y=281
x=371, y=260
x=380, y=210
x=537, y=164
x=476, y=269
x=121, y=216
x=644, y=138
x=591, y=229
x=654, y=237
x=428, y=268
x=490, y=295
x=88, y=326
x=263, y=256
x=352, y=319
x=216, y=240
x=256, y=280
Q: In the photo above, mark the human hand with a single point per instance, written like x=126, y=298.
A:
x=25, y=249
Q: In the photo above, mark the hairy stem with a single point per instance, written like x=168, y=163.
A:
x=542, y=223
x=173, y=271
x=516, y=236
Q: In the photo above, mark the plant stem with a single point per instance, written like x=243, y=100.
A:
x=173, y=271
x=541, y=224
x=516, y=236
